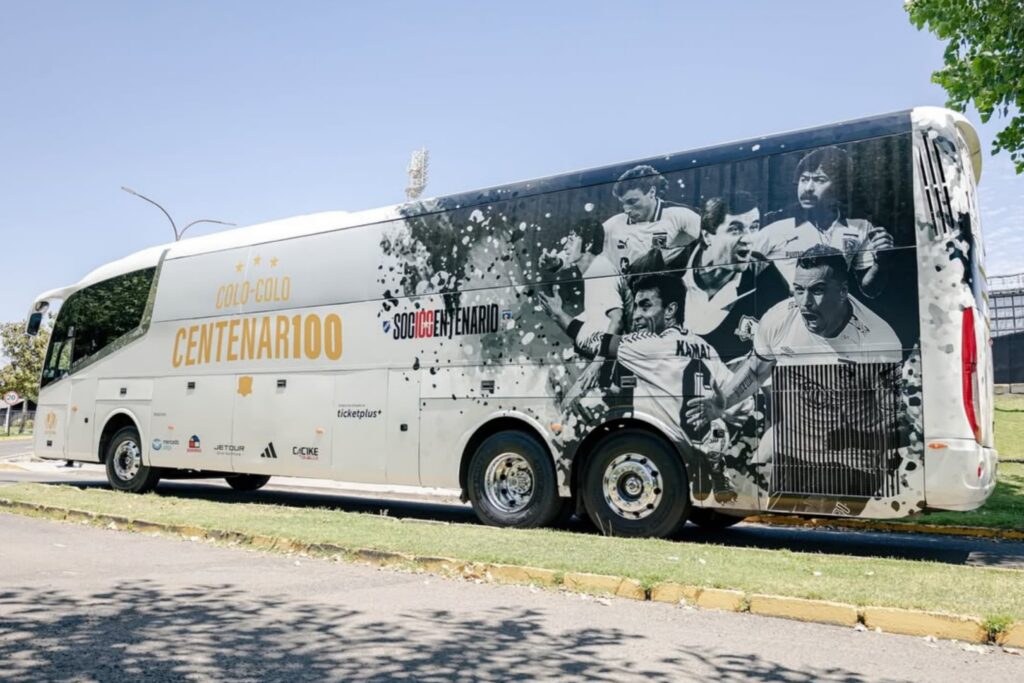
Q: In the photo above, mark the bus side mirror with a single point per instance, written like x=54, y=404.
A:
x=34, y=321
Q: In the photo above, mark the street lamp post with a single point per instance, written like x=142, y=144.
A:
x=177, y=234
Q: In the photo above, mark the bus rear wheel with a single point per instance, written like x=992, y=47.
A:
x=511, y=482
x=247, y=482
x=125, y=470
x=635, y=485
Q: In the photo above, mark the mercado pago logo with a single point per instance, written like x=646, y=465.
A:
x=441, y=322
x=302, y=336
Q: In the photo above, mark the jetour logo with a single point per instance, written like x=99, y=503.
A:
x=193, y=444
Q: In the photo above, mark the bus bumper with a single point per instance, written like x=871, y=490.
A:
x=959, y=476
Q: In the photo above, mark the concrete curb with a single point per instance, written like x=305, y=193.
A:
x=906, y=527
x=887, y=619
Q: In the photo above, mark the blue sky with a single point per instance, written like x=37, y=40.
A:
x=250, y=111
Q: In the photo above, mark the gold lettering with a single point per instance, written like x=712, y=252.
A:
x=233, y=339
x=248, y=351
x=312, y=334
x=190, y=345
x=286, y=288
x=205, y=343
x=265, y=339
x=297, y=341
x=176, y=356
x=332, y=336
x=282, y=337
x=220, y=325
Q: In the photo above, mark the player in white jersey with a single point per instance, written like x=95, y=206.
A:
x=821, y=325
x=672, y=366
x=647, y=222
x=822, y=189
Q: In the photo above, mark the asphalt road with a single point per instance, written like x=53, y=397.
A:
x=307, y=493
x=80, y=603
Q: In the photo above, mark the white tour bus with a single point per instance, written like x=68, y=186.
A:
x=796, y=323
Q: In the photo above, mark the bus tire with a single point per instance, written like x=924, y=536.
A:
x=247, y=482
x=511, y=482
x=635, y=485
x=713, y=520
x=125, y=470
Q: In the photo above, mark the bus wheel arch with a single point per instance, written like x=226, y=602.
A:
x=511, y=481
x=488, y=429
x=123, y=460
x=115, y=423
x=647, y=440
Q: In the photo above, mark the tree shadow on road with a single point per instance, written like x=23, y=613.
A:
x=144, y=631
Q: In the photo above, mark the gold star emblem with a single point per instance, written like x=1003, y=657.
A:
x=256, y=260
x=239, y=266
x=273, y=262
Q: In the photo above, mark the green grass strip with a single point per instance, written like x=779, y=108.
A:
x=986, y=593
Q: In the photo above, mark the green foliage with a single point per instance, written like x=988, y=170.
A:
x=24, y=357
x=984, y=60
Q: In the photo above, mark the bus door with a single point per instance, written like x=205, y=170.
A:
x=403, y=428
x=283, y=424
x=51, y=420
x=191, y=422
x=81, y=422
x=359, y=447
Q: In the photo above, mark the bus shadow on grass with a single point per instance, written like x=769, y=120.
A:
x=148, y=631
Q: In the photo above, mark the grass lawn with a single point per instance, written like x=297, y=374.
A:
x=986, y=593
x=1010, y=425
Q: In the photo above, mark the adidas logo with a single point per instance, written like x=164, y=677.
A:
x=269, y=451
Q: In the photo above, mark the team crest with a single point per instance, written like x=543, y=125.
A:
x=746, y=328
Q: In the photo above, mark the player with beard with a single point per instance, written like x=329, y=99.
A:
x=728, y=286
x=822, y=188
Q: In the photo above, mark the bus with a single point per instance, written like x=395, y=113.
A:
x=792, y=324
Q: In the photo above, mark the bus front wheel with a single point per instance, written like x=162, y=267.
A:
x=511, y=482
x=247, y=482
x=635, y=485
x=125, y=470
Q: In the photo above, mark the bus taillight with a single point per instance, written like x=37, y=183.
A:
x=969, y=360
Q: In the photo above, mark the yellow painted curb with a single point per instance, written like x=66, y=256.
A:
x=719, y=598
x=818, y=611
x=11, y=467
x=379, y=557
x=912, y=623
x=508, y=573
x=674, y=593
x=1013, y=636
x=599, y=583
x=439, y=565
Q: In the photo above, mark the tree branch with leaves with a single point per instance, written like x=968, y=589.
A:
x=984, y=61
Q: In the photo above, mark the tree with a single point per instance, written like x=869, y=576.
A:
x=984, y=60
x=24, y=357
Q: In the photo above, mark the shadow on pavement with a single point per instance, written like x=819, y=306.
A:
x=219, y=632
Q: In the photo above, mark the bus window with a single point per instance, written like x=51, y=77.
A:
x=94, y=318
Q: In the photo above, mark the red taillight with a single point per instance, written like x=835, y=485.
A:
x=969, y=360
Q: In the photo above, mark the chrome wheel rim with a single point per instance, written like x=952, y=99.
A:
x=632, y=486
x=127, y=460
x=508, y=482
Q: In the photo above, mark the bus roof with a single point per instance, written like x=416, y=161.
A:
x=309, y=224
